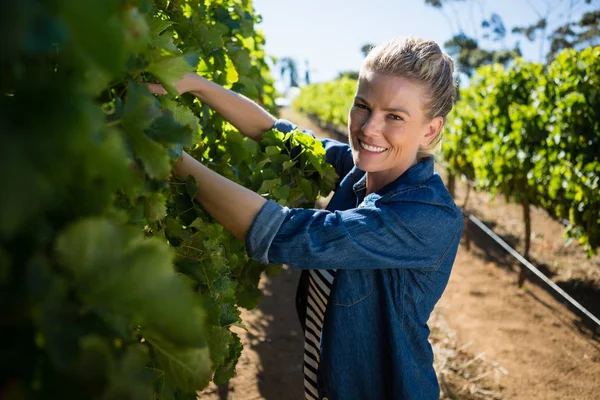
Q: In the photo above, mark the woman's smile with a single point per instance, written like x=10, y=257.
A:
x=370, y=148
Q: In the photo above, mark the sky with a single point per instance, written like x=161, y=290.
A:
x=330, y=33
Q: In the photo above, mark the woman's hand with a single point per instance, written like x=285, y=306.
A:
x=247, y=116
x=156, y=88
x=188, y=84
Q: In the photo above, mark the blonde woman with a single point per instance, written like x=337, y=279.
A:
x=377, y=260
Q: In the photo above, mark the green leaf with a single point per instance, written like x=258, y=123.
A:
x=155, y=206
x=175, y=232
x=282, y=192
x=96, y=28
x=219, y=339
x=249, y=86
x=153, y=156
x=116, y=270
x=232, y=74
x=166, y=129
x=140, y=108
x=268, y=185
x=191, y=187
x=306, y=187
x=159, y=25
x=184, y=208
x=161, y=39
x=288, y=164
x=230, y=315
x=211, y=36
x=187, y=368
x=272, y=151
x=248, y=296
x=131, y=378
x=169, y=70
x=226, y=370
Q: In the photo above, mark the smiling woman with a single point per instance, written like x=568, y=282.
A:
x=405, y=90
x=377, y=260
x=387, y=126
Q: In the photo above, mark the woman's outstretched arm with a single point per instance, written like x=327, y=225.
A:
x=248, y=117
x=230, y=204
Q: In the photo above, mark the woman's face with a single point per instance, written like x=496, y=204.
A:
x=387, y=124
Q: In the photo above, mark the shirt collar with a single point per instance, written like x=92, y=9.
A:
x=416, y=175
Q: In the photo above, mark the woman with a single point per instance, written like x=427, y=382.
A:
x=379, y=257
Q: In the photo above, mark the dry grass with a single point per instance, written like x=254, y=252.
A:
x=461, y=374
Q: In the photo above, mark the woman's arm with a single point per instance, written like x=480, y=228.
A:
x=407, y=234
x=247, y=116
x=230, y=204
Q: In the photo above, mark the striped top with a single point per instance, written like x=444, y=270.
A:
x=319, y=287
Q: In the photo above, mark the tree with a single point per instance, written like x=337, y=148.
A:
x=584, y=33
x=470, y=51
x=469, y=56
x=288, y=65
x=348, y=74
x=365, y=48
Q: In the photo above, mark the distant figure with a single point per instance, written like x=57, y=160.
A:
x=306, y=72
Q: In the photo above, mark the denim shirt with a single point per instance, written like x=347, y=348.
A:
x=393, y=250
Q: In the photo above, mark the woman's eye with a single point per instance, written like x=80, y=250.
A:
x=361, y=106
x=396, y=117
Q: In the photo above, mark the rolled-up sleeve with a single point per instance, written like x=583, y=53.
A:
x=397, y=235
x=263, y=230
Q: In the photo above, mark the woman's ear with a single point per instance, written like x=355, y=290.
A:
x=432, y=129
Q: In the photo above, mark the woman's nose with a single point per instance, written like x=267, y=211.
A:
x=371, y=126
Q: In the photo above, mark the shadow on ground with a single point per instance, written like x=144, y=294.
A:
x=584, y=292
x=276, y=338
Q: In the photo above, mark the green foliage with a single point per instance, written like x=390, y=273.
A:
x=532, y=133
x=353, y=75
x=469, y=55
x=330, y=102
x=113, y=282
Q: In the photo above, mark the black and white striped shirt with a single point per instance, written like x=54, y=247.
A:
x=319, y=287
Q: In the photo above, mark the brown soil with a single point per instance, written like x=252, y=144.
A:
x=562, y=260
x=491, y=339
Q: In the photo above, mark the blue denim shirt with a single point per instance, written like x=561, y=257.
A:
x=393, y=250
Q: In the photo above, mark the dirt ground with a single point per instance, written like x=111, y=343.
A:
x=531, y=345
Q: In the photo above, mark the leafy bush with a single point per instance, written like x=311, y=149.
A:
x=113, y=283
x=329, y=101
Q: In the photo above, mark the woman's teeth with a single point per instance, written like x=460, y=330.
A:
x=371, y=148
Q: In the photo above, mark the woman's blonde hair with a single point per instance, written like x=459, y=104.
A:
x=423, y=62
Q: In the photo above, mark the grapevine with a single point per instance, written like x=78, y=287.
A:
x=114, y=283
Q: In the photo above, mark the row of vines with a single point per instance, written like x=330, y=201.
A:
x=528, y=131
x=114, y=284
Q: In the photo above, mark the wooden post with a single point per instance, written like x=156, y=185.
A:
x=223, y=391
x=451, y=183
x=527, y=220
x=467, y=232
x=467, y=196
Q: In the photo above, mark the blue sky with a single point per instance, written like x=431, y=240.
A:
x=330, y=33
